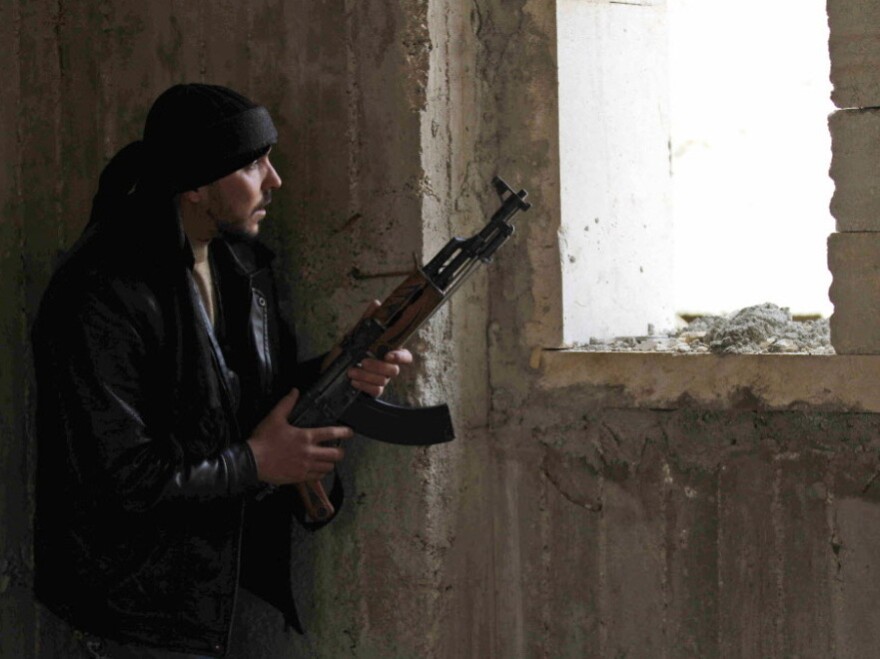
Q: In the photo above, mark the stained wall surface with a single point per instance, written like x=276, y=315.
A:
x=575, y=519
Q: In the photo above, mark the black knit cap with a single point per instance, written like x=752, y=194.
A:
x=197, y=133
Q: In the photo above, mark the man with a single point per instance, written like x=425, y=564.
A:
x=165, y=378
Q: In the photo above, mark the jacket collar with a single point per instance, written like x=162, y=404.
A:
x=247, y=256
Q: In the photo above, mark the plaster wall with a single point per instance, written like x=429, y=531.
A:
x=572, y=516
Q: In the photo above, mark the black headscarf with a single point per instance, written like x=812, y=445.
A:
x=194, y=134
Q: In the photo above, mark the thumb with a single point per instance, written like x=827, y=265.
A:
x=285, y=405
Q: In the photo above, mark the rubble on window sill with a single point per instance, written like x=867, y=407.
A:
x=761, y=329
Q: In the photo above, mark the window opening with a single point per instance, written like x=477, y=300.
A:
x=695, y=153
x=750, y=96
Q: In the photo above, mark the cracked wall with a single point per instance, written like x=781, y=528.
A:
x=693, y=532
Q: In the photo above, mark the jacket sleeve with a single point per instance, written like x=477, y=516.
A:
x=106, y=377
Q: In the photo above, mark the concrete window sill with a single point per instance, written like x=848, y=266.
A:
x=840, y=383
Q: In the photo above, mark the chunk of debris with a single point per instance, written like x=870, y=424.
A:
x=761, y=329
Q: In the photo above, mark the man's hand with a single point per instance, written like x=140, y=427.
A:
x=286, y=454
x=372, y=375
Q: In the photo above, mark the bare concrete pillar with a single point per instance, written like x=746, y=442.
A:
x=854, y=251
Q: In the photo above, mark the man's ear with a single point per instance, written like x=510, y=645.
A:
x=194, y=196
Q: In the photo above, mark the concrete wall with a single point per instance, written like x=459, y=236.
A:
x=571, y=517
x=855, y=133
x=373, y=175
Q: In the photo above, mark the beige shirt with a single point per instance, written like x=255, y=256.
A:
x=203, y=279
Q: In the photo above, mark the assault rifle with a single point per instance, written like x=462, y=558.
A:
x=333, y=401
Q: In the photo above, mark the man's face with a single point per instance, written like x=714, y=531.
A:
x=236, y=203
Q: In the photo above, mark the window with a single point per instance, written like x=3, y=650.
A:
x=694, y=153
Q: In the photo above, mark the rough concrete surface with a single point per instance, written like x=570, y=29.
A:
x=855, y=138
x=855, y=323
x=854, y=50
x=571, y=517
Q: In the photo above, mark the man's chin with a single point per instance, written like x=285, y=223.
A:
x=239, y=232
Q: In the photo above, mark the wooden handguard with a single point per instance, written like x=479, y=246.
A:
x=404, y=311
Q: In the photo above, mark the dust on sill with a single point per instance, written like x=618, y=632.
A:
x=761, y=329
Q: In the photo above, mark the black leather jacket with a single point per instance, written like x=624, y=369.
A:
x=146, y=519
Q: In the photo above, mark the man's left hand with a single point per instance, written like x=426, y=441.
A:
x=373, y=375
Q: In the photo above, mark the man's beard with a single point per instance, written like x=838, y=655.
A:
x=237, y=229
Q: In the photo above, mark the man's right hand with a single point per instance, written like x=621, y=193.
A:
x=286, y=454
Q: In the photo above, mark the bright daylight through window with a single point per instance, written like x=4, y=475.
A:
x=694, y=162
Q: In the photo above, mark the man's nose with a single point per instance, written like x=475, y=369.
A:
x=272, y=180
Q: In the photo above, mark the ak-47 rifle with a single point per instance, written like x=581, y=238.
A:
x=333, y=401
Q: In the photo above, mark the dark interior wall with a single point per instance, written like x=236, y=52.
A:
x=78, y=80
x=370, y=179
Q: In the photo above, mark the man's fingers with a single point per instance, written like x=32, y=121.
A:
x=325, y=465
x=318, y=471
x=362, y=376
x=380, y=368
x=328, y=454
x=399, y=356
x=371, y=390
x=329, y=434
